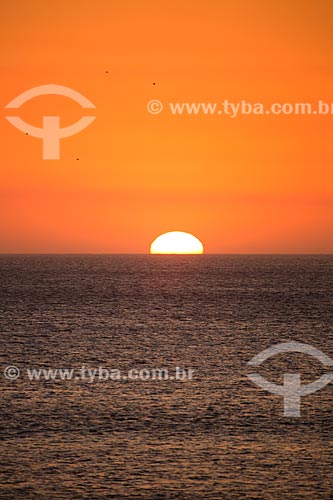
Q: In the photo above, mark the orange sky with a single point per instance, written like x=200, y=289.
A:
x=249, y=184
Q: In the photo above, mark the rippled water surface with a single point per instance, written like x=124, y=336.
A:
x=217, y=436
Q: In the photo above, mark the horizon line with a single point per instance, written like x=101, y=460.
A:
x=6, y=254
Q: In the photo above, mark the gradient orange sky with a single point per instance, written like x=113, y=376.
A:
x=251, y=184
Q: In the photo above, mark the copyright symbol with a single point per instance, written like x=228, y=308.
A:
x=154, y=107
x=11, y=372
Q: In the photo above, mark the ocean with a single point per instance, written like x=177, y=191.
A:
x=113, y=429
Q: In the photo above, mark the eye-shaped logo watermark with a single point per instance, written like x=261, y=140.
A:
x=291, y=390
x=51, y=133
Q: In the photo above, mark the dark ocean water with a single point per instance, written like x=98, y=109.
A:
x=217, y=436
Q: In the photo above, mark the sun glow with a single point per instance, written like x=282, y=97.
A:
x=176, y=242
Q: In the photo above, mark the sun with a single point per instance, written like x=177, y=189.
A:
x=176, y=242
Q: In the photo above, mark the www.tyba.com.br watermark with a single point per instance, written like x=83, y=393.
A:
x=99, y=374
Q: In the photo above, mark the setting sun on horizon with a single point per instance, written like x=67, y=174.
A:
x=176, y=242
